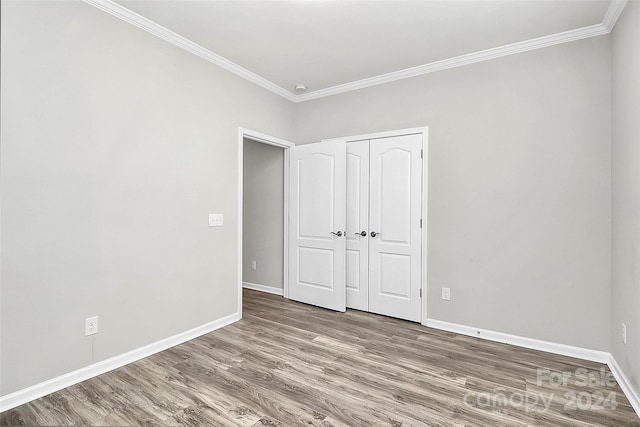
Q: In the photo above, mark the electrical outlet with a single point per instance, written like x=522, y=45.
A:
x=446, y=294
x=91, y=326
x=254, y=265
x=624, y=333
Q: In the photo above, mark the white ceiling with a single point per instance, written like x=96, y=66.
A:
x=323, y=44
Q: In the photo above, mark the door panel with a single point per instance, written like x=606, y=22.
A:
x=357, y=261
x=317, y=208
x=316, y=177
x=395, y=275
x=394, y=189
x=395, y=210
x=316, y=267
x=353, y=279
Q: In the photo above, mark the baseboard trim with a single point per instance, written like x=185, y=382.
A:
x=551, y=347
x=624, y=384
x=36, y=391
x=263, y=288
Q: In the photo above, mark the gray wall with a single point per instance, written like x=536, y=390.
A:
x=263, y=214
x=625, y=131
x=519, y=185
x=115, y=147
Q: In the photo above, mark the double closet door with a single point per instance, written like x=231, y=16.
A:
x=355, y=225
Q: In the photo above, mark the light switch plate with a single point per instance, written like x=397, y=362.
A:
x=216, y=220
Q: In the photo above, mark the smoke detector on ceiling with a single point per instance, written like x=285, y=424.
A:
x=300, y=88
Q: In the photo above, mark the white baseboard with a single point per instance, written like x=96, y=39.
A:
x=44, y=388
x=28, y=394
x=624, y=384
x=263, y=288
x=551, y=347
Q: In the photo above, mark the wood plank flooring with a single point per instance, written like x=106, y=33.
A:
x=291, y=364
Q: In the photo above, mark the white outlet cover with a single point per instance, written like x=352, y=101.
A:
x=216, y=220
x=624, y=333
x=91, y=326
x=446, y=294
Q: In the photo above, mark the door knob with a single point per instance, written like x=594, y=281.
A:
x=362, y=233
x=339, y=233
x=374, y=234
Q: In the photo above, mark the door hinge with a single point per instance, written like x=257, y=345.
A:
x=422, y=154
x=420, y=292
x=420, y=222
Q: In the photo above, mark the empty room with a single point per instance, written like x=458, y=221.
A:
x=320, y=212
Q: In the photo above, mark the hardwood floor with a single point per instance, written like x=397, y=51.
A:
x=291, y=364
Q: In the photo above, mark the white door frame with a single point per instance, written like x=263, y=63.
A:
x=276, y=142
x=424, y=131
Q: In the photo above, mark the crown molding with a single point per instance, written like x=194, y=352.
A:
x=613, y=13
x=458, y=61
x=157, y=30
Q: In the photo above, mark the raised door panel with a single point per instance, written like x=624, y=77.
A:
x=316, y=195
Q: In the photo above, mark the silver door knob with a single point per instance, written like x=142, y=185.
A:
x=362, y=233
x=339, y=233
x=374, y=234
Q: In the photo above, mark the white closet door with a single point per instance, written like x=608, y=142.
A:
x=394, y=220
x=357, y=255
x=317, y=210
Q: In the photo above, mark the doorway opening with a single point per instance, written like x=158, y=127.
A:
x=262, y=206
